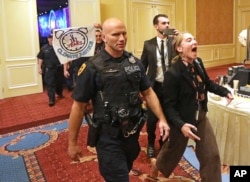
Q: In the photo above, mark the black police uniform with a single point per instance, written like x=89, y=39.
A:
x=53, y=75
x=114, y=84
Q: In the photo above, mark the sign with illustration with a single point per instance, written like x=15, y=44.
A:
x=72, y=43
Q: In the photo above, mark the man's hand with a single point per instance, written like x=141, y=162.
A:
x=74, y=152
x=164, y=130
x=40, y=71
x=75, y=122
x=98, y=25
x=176, y=32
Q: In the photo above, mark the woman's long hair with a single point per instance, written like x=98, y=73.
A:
x=176, y=43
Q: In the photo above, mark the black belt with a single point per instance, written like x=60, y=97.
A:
x=115, y=131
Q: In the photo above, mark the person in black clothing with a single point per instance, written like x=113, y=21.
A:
x=53, y=75
x=113, y=79
x=152, y=58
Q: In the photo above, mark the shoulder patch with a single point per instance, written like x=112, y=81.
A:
x=131, y=59
x=81, y=69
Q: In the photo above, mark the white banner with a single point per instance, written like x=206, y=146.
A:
x=72, y=43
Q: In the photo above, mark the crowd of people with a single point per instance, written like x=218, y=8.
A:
x=170, y=78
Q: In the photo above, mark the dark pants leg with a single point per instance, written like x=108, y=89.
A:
x=152, y=119
x=171, y=151
x=151, y=127
x=59, y=78
x=116, y=156
x=50, y=81
x=207, y=152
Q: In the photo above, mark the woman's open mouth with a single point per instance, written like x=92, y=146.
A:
x=194, y=49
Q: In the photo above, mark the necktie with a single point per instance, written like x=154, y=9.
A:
x=163, y=57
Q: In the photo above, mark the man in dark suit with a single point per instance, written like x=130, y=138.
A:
x=156, y=51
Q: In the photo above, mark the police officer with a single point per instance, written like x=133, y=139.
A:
x=113, y=80
x=53, y=75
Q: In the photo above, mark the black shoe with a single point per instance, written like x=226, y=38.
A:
x=151, y=151
x=51, y=103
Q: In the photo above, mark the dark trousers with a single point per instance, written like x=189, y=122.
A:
x=54, y=81
x=116, y=155
x=206, y=151
x=152, y=119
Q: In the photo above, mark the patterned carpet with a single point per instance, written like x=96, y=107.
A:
x=39, y=154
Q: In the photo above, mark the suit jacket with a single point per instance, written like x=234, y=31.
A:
x=179, y=100
x=149, y=59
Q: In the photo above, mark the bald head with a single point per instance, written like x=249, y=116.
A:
x=111, y=23
x=114, y=35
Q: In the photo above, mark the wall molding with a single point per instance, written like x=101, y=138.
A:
x=28, y=80
x=216, y=55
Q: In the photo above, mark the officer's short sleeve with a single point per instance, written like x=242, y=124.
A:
x=40, y=55
x=85, y=85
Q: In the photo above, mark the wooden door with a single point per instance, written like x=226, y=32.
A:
x=84, y=12
x=19, y=45
x=243, y=21
x=141, y=21
x=19, y=42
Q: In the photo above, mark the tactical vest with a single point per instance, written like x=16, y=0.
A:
x=117, y=89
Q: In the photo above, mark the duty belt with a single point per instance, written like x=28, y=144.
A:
x=137, y=126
